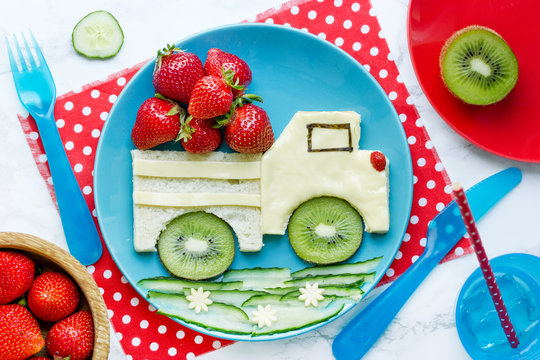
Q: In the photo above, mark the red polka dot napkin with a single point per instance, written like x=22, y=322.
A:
x=350, y=25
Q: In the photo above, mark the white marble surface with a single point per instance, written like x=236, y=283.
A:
x=424, y=329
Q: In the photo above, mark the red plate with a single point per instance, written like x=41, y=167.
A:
x=511, y=127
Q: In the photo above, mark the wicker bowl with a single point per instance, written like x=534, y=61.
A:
x=55, y=258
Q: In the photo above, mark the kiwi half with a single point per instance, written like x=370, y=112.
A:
x=478, y=66
x=325, y=230
x=196, y=246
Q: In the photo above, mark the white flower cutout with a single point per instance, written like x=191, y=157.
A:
x=311, y=294
x=264, y=315
x=199, y=300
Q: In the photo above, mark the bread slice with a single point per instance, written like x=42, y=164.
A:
x=150, y=220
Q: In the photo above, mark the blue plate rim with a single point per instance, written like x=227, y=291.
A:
x=380, y=273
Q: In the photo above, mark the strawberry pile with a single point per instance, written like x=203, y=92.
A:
x=31, y=306
x=194, y=102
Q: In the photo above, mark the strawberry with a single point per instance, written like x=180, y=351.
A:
x=16, y=275
x=53, y=296
x=218, y=61
x=73, y=337
x=157, y=122
x=211, y=97
x=378, y=160
x=176, y=72
x=19, y=333
x=199, y=136
x=249, y=130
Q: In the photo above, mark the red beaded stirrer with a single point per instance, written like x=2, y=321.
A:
x=470, y=225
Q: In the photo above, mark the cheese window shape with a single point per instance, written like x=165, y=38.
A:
x=316, y=155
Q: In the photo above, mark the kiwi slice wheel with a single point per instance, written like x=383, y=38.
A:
x=325, y=230
x=196, y=245
x=478, y=66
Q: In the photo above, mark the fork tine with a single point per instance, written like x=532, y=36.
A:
x=29, y=52
x=12, y=62
x=21, y=57
x=40, y=57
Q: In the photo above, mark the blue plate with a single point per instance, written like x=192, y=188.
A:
x=292, y=70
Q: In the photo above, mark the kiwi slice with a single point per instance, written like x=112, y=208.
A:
x=478, y=66
x=325, y=230
x=196, y=245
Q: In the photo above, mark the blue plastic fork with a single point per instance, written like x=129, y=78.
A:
x=37, y=92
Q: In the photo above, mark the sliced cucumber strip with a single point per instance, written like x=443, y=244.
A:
x=281, y=290
x=263, y=300
x=259, y=278
x=175, y=285
x=346, y=280
x=351, y=293
x=98, y=35
x=352, y=268
x=231, y=297
x=221, y=317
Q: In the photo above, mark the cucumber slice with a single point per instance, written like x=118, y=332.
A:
x=351, y=268
x=98, y=35
x=281, y=290
x=333, y=291
x=346, y=280
x=263, y=300
x=221, y=317
x=177, y=286
x=231, y=297
x=259, y=278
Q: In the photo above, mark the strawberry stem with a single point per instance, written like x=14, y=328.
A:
x=185, y=129
x=229, y=77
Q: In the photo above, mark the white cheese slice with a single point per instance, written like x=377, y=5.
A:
x=195, y=199
x=197, y=169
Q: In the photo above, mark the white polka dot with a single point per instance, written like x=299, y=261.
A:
x=49, y=181
x=154, y=346
x=407, y=237
x=422, y=202
x=123, y=280
x=269, y=21
x=198, y=339
x=448, y=189
x=355, y=7
x=338, y=3
x=78, y=128
x=414, y=179
x=338, y=41
x=103, y=115
x=304, y=29
x=101, y=291
x=459, y=251
x=347, y=24
x=119, y=336
x=421, y=162
x=381, y=34
x=68, y=105
x=372, y=12
x=383, y=74
x=112, y=98
x=42, y=158
x=411, y=140
x=33, y=135
x=117, y=296
x=399, y=78
x=87, y=190
x=287, y=24
x=136, y=341
x=392, y=95
x=121, y=81
x=94, y=93
x=78, y=168
x=126, y=319
x=151, y=308
x=162, y=329
x=402, y=117
x=144, y=324
x=423, y=242
x=322, y=35
x=390, y=57
x=429, y=146
x=216, y=344
x=414, y=219
x=91, y=269
x=94, y=213
x=295, y=10
x=107, y=274
x=374, y=51
x=329, y=19
x=87, y=150
x=414, y=258
x=60, y=123
x=86, y=110
x=190, y=356
x=172, y=351
x=438, y=166
x=390, y=272
x=367, y=67
x=399, y=255
x=312, y=14
x=129, y=357
x=110, y=313
x=430, y=184
x=356, y=46
x=95, y=133
x=410, y=100
x=134, y=301
x=364, y=29
x=180, y=334
x=439, y=206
